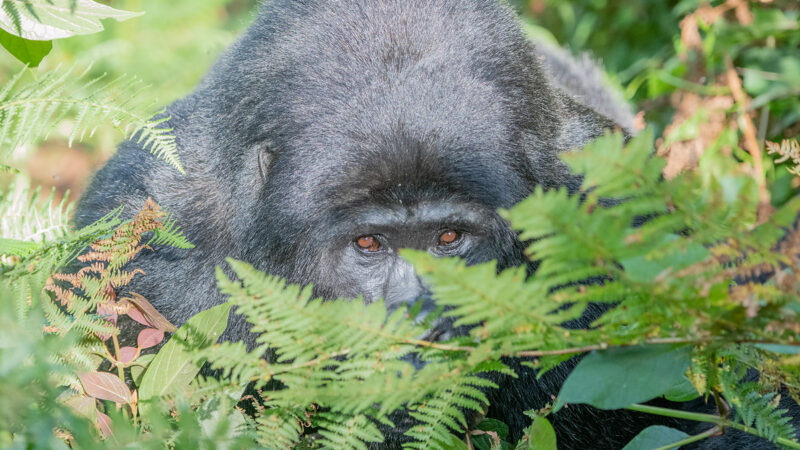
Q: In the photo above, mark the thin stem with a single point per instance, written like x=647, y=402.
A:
x=697, y=437
x=693, y=87
x=722, y=406
x=655, y=341
x=678, y=414
x=710, y=418
x=269, y=374
x=117, y=358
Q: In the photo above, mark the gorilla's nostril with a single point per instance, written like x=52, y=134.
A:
x=432, y=335
x=439, y=330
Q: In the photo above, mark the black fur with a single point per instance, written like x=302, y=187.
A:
x=329, y=120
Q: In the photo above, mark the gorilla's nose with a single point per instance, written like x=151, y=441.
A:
x=423, y=308
x=426, y=313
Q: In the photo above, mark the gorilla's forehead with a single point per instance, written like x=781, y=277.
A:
x=448, y=128
x=408, y=165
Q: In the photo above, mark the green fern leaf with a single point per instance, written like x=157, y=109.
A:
x=29, y=112
x=170, y=235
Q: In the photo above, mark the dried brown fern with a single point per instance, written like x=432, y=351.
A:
x=88, y=300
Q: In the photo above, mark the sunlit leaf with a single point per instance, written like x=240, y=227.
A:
x=42, y=20
x=105, y=386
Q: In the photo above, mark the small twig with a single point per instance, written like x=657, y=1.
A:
x=723, y=408
x=750, y=141
x=270, y=374
x=492, y=435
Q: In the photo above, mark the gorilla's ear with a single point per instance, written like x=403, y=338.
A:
x=586, y=107
x=584, y=88
x=265, y=157
x=579, y=125
x=582, y=124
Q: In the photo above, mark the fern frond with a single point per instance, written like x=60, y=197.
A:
x=29, y=112
x=170, y=234
x=347, y=432
x=279, y=428
x=754, y=408
x=25, y=216
x=443, y=413
x=345, y=357
x=273, y=307
x=511, y=312
x=13, y=247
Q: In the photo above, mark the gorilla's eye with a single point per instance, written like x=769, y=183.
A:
x=449, y=237
x=368, y=243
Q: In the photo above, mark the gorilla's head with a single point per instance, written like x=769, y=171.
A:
x=387, y=125
x=403, y=180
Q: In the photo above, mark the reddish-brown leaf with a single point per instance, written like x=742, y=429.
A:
x=104, y=423
x=134, y=313
x=149, y=337
x=151, y=316
x=105, y=386
x=127, y=354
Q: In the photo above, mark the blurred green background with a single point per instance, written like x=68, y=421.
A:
x=170, y=48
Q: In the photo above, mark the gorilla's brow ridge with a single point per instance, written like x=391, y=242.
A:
x=425, y=213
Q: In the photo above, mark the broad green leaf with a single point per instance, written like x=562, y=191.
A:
x=654, y=437
x=495, y=426
x=220, y=421
x=494, y=430
x=542, y=435
x=644, y=269
x=620, y=377
x=683, y=391
x=783, y=349
x=173, y=367
x=139, y=367
x=43, y=20
x=28, y=51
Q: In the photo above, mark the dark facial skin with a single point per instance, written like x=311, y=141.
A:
x=367, y=257
x=365, y=260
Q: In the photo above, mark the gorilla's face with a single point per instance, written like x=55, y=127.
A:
x=380, y=195
x=364, y=259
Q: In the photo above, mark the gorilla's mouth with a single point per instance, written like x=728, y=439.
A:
x=436, y=334
x=441, y=330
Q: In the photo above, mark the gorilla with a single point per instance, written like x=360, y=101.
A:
x=335, y=132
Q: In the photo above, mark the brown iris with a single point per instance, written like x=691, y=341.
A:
x=368, y=243
x=449, y=237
